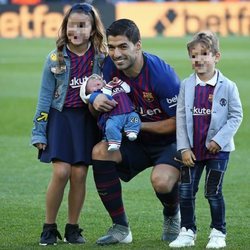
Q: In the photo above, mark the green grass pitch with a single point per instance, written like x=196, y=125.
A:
x=24, y=180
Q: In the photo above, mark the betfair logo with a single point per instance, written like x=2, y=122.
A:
x=167, y=19
x=172, y=101
x=177, y=19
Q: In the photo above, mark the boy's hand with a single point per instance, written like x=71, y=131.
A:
x=213, y=147
x=188, y=158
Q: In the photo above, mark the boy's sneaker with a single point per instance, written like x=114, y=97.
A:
x=116, y=234
x=49, y=235
x=185, y=238
x=73, y=234
x=216, y=239
x=171, y=227
x=132, y=136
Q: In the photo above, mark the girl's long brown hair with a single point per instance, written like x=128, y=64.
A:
x=98, y=39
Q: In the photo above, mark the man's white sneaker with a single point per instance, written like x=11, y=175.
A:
x=185, y=238
x=216, y=239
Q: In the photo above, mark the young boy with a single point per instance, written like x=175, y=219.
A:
x=209, y=113
x=122, y=117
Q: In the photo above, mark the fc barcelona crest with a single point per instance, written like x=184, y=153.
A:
x=148, y=96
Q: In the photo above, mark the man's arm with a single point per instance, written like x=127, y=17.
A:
x=167, y=126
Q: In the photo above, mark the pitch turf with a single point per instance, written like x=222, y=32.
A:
x=23, y=180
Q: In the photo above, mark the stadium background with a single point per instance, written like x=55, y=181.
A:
x=27, y=34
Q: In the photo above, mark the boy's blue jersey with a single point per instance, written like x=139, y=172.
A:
x=153, y=92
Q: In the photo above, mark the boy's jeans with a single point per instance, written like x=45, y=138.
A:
x=190, y=177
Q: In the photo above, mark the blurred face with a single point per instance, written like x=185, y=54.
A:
x=94, y=84
x=203, y=61
x=123, y=53
x=79, y=28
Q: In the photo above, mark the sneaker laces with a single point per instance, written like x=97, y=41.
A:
x=76, y=233
x=216, y=234
x=119, y=232
x=46, y=233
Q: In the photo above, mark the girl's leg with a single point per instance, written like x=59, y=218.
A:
x=54, y=196
x=76, y=192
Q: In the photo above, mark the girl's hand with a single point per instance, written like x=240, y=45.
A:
x=40, y=146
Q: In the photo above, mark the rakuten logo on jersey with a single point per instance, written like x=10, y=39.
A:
x=76, y=82
x=117, y=90
x=148, y=112
x=172, y=101
x=201, y=111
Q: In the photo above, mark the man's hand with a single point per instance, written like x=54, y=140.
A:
x=103, y=104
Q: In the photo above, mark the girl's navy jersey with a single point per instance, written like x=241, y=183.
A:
x=153, y=92
x=80, y=67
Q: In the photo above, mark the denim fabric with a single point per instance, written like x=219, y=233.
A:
x=190, y=178
x=129, y=122
x=52, y=95
x=53, y=92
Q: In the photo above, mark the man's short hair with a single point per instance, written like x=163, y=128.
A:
x=124, y=27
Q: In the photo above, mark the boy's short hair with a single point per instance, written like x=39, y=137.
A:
x=206, y=37
x=124, y=27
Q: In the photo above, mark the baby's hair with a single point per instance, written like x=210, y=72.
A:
x=94, y=76
x=206, y=37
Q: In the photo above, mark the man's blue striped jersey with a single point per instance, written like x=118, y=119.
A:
x=153, y=92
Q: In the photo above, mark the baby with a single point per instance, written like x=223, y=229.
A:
x=121, y=118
